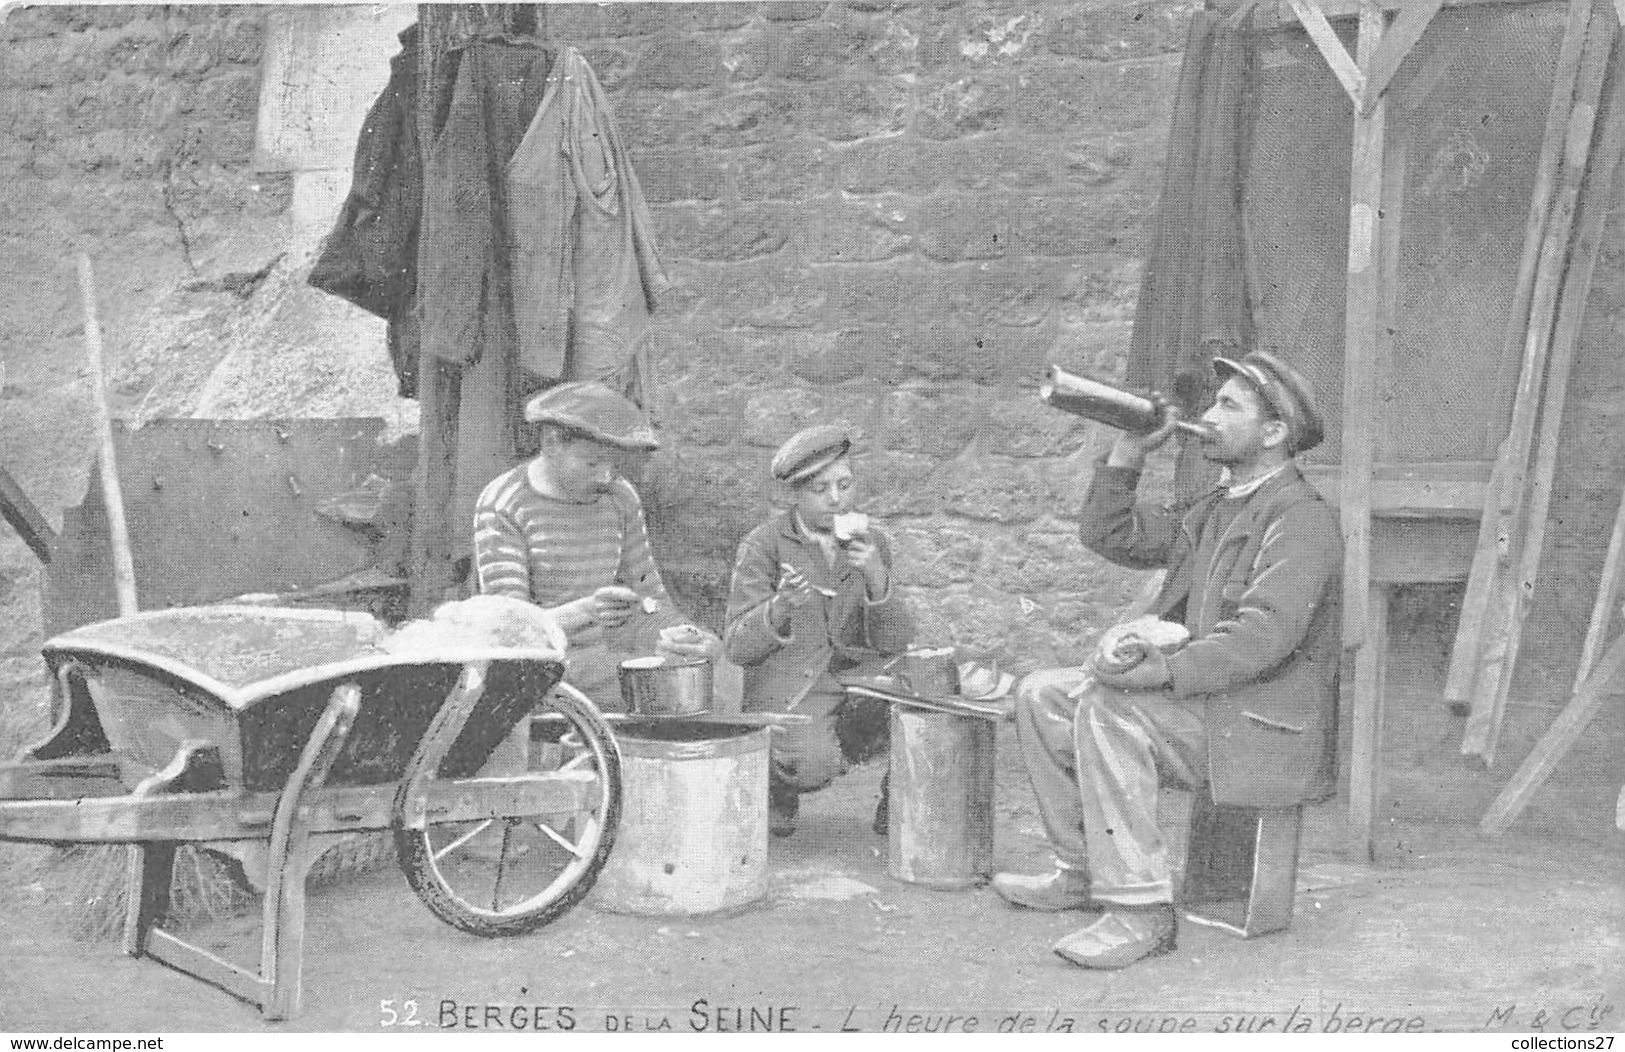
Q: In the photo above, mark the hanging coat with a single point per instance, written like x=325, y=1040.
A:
x=585, y=270
x=370, y=257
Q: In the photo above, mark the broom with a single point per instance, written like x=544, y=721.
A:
x=89, y=884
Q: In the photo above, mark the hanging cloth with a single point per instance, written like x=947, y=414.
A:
x=1193, y=302
x=586, y=274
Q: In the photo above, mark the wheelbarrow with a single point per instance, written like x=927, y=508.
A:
x=273, y=734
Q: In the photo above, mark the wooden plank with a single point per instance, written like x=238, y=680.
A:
x=1513, y=527
x=1595, y=205
x=1414, y=19
x=24, y=517
x=1430, y=490
x=1281, y=11
x=1365, y=756
x=1564, y=731
x=1608, y=593
x=1464, y=653
x=1344, y=68
x=1365, y=602
x=201, y=964
x=1360, y=339
x=123, y=561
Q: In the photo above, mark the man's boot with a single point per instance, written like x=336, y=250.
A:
x=1122, y=936
x=1062, y=889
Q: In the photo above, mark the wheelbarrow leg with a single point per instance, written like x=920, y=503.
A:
x=289, y=857
x=275, y=986
x=150, y=867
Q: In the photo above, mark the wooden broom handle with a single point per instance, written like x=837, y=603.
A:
x=112, y=494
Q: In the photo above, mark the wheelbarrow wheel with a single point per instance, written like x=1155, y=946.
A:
x=514, y=873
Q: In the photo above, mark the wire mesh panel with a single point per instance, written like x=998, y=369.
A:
x=1465, y=117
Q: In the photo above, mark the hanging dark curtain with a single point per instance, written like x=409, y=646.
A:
x=1193, y=302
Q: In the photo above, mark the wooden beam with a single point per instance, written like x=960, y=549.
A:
x=1558, y=739
x=1407, y=29
x=1608, y=593
x=1344, y=68
x=1282, y=10
x=1448, y=490
x=1596, y=203
x=1465, y=651
x=26, y=518
x=1514, y=526
x=1364, y=604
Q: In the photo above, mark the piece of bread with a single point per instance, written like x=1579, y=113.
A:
x=1126, y=645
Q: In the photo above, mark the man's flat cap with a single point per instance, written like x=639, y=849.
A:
x=1286, y=390
x=595, y=411
x=809, y=451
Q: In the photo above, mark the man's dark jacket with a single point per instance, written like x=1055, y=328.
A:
x=1262, y=598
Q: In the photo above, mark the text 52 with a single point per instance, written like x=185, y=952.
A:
x=406, y=1015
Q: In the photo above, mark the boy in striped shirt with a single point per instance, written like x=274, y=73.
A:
x=565, y=531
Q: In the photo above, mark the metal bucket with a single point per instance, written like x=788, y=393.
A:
x=665, y=686
x=693, y=831
x=941, y=829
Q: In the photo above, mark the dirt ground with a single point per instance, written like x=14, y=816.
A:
x=1450, y=932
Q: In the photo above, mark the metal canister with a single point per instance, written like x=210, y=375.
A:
x=666, y=686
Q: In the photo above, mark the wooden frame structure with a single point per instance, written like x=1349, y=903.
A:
x=1382, y=501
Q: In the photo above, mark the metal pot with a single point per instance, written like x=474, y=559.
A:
x=666, y=686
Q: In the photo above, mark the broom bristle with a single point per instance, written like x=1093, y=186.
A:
x=87, y=884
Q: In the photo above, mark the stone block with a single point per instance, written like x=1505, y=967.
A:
x=788, y=168
x=957, y=227
x=566, y=24
x=1008, y=357
x=895, y=484
x=935, y=556
x=905, y=165
x=654, y=18
x=769, y=417
x=747, y=55
x=1007, y=294
x=939, y=423
x=1099, y=288
x=1090, y=164
x=841, y=111
x=721, y=233
x=937, y=351
x=614, y=65
x=991, y=489
x=680, y=61
x=743, y=358
x=793, y=10
x=749, y=117
x=845, y=44
x=826, y=358
x=667, y=175
x=1115, y=32
x=888, y=293
x=1071, y=226
x=967, y=106
x=656, y=119
x=1092, y=100
x=1033, y=562
x=751, y=294
x=862, y=231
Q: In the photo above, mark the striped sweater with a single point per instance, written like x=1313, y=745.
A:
x=548, y=551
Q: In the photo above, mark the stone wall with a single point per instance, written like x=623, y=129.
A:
x=895, y=216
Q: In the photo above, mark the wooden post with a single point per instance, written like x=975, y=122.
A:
x=1464, y=652
x=1512, y=507
x=112, y=495
x=1364, y=625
